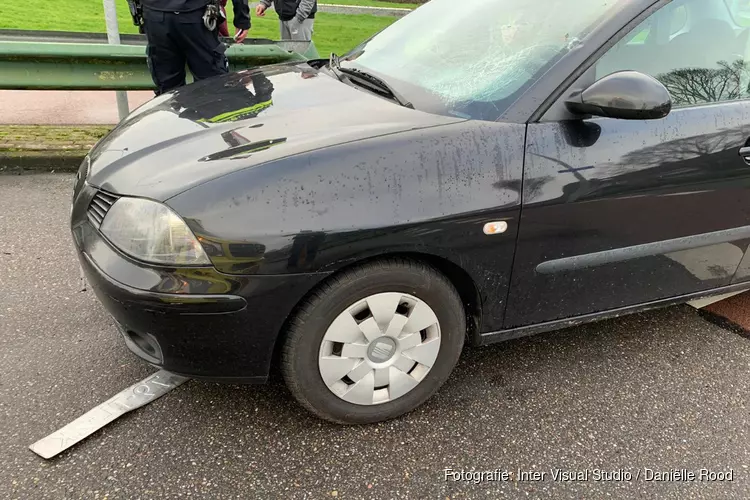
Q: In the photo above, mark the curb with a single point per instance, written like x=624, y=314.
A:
x=46, y=148
x=724, y=323
x=731, y=314
x=40, y=161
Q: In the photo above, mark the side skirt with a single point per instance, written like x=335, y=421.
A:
x=526, y=331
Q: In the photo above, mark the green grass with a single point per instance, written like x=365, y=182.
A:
x=333, y=32
x=49, y=138
x=743, y=19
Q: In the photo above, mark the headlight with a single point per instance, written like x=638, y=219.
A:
x=151, y=232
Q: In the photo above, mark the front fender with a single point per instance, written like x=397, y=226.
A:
x=425, y=191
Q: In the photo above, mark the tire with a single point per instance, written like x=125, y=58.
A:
x=314, y=342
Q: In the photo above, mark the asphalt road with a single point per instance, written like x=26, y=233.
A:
x=663, y=390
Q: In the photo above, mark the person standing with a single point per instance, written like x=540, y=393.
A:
x=223, y=28
x=181, y=32
x=296, y=17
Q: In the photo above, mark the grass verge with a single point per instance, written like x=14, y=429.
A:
x=43, y=147
x=333, y=32
x=15, y=138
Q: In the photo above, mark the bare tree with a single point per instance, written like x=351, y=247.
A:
x=703, y=85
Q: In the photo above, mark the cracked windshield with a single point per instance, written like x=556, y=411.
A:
x=473, y=59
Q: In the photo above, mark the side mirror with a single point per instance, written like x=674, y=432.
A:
x=627, y=95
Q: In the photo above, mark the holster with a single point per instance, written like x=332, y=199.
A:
x=136, y=12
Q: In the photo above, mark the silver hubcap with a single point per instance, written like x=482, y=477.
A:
x=379, y=348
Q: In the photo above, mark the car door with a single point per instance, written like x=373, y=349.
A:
x=619, y=212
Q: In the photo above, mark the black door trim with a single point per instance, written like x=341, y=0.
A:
x=526, y=331
x=646, y=250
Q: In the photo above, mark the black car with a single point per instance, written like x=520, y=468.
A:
x=469, y=174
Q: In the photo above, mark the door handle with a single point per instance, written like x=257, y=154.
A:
x=745, y=153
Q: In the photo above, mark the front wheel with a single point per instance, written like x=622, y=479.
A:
x=374, y=342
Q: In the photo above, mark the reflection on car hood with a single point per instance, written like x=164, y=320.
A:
x=220, y=125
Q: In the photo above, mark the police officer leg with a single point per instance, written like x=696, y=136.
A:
x=165, y=59
x=204, y=52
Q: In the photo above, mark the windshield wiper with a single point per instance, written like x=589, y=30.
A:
x=374, y=83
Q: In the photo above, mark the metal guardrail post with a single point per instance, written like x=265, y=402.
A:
x=113, y=38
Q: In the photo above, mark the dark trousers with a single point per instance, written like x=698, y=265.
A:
x=176, y=39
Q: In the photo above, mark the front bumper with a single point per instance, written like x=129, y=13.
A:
x=195, y=322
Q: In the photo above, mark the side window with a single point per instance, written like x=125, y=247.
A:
x=696, y=48
x=678, y=21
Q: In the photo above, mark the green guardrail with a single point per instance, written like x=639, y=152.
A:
x=84, y=61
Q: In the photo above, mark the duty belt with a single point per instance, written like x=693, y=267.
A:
x=212, y=15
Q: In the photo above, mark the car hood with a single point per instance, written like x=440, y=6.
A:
x=217, y=126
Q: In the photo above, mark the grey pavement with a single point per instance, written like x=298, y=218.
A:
x=334, y=8
x=359, y=10
x=61, y=107
x=662, y=390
